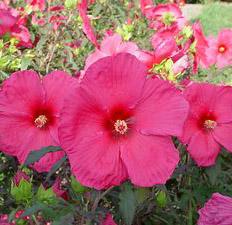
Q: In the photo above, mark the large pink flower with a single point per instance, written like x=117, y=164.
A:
x=30, y=112
x=217, y=211
x=120, y=125
x=220, y=49
x=209, y=123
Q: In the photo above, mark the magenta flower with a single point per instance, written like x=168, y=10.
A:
x=220, y=49
x=108, y=220
x=165, y=16
x=120, y=125
x=30, y=112
x=217, y=211
x=209, y=123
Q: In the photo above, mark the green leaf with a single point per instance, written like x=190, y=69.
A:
x=23, y=192
x=141, y=194
x=25, y=63
x=36, y=155
x=161, y=199
x=33, y=210
x=76, y=186
x=55, y=167
x=70, y=4
x=127, y=204
x=46, y=195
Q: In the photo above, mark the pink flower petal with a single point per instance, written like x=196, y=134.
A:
x=223, y=133
x=217, y=211
x=149, y=160
x=203, y=149
x=160, y=105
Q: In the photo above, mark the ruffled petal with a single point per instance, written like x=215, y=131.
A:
x=116, y=79
x=203, y=149
x=218, y=210
x=223, y=134
x=149, y=160
x=161, y=110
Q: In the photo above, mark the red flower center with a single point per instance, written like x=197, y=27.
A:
x=118, y=121
x=120, y=126
x=221, y=49
x=210, y=124
x=41, y=121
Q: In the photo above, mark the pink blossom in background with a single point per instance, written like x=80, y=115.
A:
x=19, y=176
x=167, y=15
x=4, y=220
x=220, y=49
x=87, y=28
x=37, y=5
x=29, y=114
x=209, y=123
x=108, y=220
x=7, y=21
x=217, y=211
x=12, y=22
x=146, y=6
x=200, y=55
x=120, y=125
x=112, y=45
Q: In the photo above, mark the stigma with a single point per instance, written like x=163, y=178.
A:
x=120, y=126
x=41, y=121
x=210, y=124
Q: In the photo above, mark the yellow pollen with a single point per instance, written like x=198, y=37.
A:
x=210, y=124
x=40, y=121
x=221, y=49
x=121, y=126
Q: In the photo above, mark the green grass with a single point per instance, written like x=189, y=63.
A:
x=216, y=16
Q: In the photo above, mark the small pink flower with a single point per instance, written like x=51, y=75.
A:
x=108, y=220
x=165, y=16
x=19, y=176
x=37, y=4
x=4, y=220
x=217, y=211
x=120, y=125
x=30, y=112
x=220, y=49
x=209, y=123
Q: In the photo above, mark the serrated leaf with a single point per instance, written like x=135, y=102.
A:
x=127, y=204
x=35, y=156
x=32, y=210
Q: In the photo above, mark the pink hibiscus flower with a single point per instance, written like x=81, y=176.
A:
x=220, y=49
x=200, y=55
x=209, y=123
x=30, y=112
x=166, y=15
x=217, y=211
x=120, y=125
